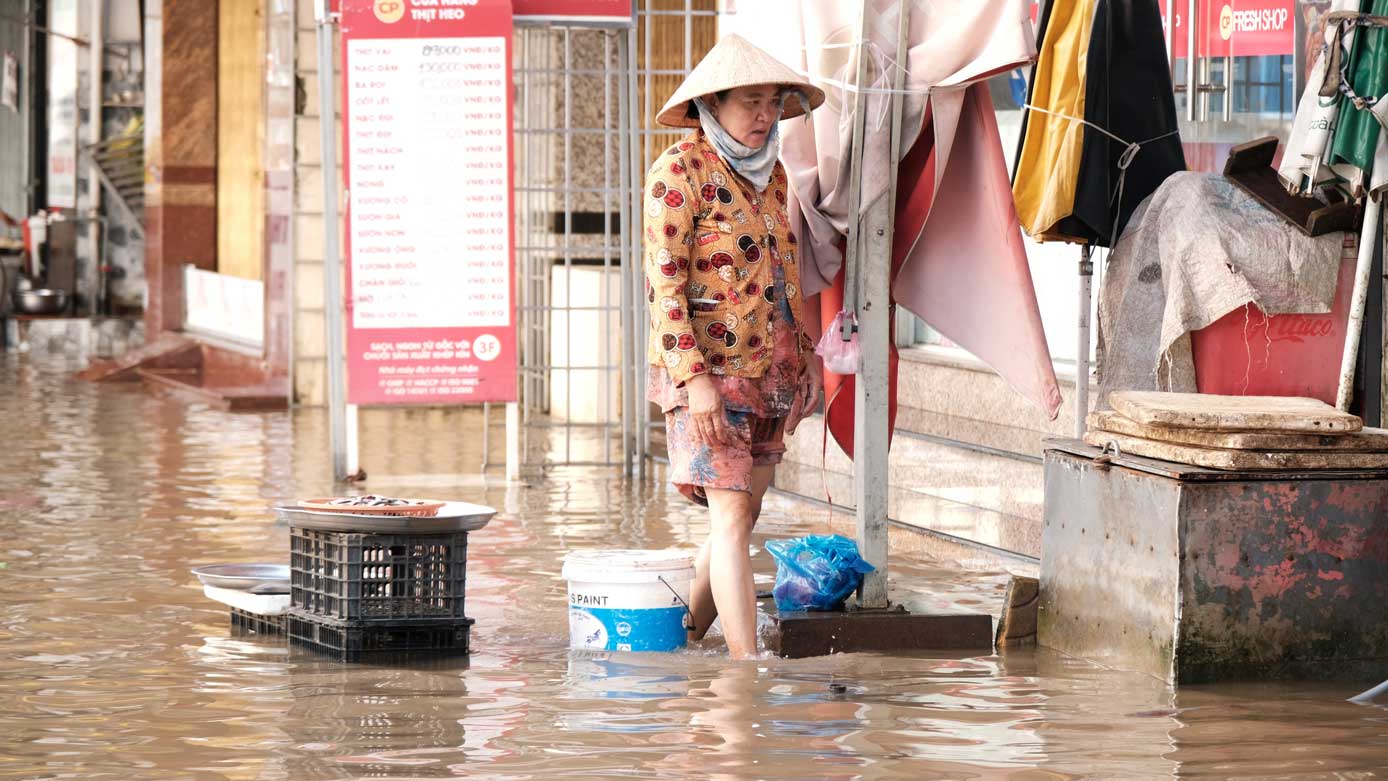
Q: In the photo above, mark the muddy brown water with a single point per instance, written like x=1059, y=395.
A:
x=113, y=665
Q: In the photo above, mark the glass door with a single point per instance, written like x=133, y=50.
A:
x=1237, y=67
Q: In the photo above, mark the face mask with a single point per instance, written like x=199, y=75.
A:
x=755, y=165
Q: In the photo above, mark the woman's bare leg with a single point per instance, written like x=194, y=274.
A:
x=723, y=570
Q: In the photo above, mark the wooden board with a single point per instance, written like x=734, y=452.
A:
x=1366, y=440
x=1238, y=460
x=1017, y=624
x=241, y=138
x=1233, y=413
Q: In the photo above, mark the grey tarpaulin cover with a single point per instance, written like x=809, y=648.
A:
x=1194, y=251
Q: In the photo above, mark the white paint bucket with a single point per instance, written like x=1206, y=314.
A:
x=628, y=600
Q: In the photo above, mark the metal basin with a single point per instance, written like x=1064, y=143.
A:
x=261, y=578
x=44, y=301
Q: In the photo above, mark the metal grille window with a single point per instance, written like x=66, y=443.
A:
x=573, y=103
x=584, y=134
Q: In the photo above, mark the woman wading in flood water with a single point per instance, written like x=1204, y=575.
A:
x=731, y=366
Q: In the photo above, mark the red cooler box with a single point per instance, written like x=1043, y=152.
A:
x=1283, y=355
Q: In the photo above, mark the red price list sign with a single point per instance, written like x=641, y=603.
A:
x=430, y=246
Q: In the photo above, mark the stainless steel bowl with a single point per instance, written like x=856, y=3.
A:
x=262, y=578
x=43, y=301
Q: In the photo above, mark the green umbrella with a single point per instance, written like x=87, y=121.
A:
x=1357, y=132
x=1362, y=84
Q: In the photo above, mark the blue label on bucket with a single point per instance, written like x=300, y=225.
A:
x=614, y=629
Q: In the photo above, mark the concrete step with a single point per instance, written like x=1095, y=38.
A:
x=236, y=398
x=168, y=351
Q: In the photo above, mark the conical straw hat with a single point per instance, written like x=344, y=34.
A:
x=736, y=62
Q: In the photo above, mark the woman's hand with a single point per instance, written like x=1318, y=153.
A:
x=808, y=394
x=706, y=412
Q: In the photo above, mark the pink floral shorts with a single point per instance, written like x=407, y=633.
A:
x=695, y=465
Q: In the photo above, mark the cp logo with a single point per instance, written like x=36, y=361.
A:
x=1226, y=23
x=389, y=11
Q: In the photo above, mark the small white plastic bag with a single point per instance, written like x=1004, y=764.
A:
x=840, y=357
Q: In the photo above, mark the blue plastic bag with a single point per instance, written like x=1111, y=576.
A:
x=817, y=572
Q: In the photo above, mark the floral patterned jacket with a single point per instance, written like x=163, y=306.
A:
x=708, y=239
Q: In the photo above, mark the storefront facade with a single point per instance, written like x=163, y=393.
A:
x=967, y=459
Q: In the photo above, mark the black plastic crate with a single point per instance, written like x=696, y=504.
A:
x=245, y=624
x=351, y=641
x=346, y=576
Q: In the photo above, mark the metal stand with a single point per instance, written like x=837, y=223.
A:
x=1368, y=237
x=868, y=288
x=96, y=238
x=1086, y=300
x=342, y=417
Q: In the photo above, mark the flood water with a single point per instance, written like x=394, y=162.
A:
x=113, y=665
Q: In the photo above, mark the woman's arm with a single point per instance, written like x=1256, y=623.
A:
x=668, y=246
x=668, y=239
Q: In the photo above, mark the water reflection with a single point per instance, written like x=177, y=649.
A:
x=114, y=666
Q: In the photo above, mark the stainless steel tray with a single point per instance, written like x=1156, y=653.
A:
x=260, y=578
x=452, y=517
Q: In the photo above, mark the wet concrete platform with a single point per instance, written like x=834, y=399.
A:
x=1195, y=575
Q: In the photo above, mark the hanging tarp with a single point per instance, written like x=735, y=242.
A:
x=959, y=260
x=1167, y=278
x=1303, y=164
x=968, y=236
x=1358, y=141
x=1335, y=142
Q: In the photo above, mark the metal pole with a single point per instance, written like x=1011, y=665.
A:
x=568, y=257
x=513, y=442
x=1171, y=35
x=522, y=287
x=341, y=439
x=352, y=443
x=872, y=301
x=1229, y=84
x=628, y=260
x=486, y=434
x=27, y=107
x=1086, y=299
x=1383, y=333
x=96, y=62
x=852, y=259
x=1191, y=59
x=1369, y=695
x=530, y=383
x=604, y=299
x=639, y=160
x=1363, y=266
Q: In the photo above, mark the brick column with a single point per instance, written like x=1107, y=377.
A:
x=180, y=152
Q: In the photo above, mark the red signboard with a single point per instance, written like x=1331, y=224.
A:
x=427, y=154
x=590, y=11
x=1238, y=28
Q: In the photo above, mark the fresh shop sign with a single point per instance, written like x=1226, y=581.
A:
x=1238, y=28
x=1261, y=20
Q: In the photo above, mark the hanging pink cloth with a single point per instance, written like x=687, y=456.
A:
x=967, y=274
x=958, y=261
